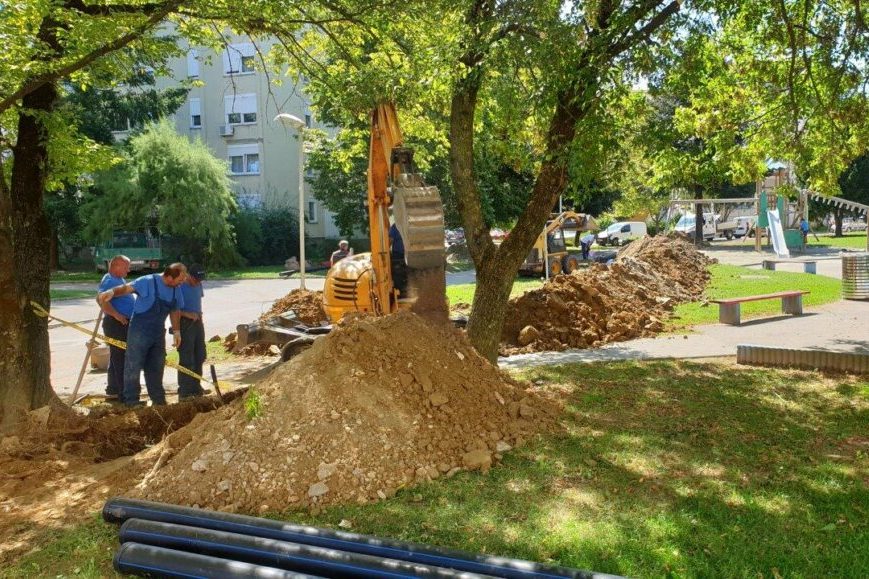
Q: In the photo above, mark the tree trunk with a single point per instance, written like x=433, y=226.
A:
x=24, y=273
x=497, y=265
x=838, y=215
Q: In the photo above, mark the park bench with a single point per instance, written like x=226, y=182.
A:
x=808, y=266
x=729, y=311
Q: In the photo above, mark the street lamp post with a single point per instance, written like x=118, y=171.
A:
x=295, y=122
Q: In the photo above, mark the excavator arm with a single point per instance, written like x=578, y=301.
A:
x=418, y=212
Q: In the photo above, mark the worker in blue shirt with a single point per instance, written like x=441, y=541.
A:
x=191, y=354
x=117, y=316
x=396, y=258
x=157, y=297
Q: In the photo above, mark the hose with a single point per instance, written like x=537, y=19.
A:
x=151, y=561
x=280, y=554
x=117, y=510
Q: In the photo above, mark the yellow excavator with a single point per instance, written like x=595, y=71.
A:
x=555, y=253
x=375, y=282
x=385, y=280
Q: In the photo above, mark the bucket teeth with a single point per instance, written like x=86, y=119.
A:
x=419, y=217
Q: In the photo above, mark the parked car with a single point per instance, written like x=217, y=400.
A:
x=744, y=226
x=849, y=224
x=498, y=234
x=454, y=235
x=713, y=226
x=622, y=232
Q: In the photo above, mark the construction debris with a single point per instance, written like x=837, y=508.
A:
x=629, y=299
x=308, y=307
x=377, y=405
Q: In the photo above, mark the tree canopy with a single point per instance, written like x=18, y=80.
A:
x=167, y=181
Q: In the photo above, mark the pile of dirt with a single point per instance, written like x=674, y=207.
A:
x=629, y=299
x=308, y=307
x=376, y=405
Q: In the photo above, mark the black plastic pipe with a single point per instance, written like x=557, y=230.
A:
x=117, y=510
x=151, y=561
x=280, y=554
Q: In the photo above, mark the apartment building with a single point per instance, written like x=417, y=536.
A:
x=231, y=108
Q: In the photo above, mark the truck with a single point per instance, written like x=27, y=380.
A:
x=142, y=246
x=713, y=226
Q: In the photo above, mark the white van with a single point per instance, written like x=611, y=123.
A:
x=621, y=232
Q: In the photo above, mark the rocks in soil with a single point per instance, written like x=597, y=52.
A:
x=626, y=300
x=375, y=406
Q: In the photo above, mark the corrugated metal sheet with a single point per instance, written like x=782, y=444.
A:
x=855, y=276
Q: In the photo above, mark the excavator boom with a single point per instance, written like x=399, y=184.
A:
x=367, y=282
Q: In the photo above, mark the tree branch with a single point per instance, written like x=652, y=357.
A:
x=37, y=81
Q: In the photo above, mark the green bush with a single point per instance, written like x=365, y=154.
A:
x=265, y=236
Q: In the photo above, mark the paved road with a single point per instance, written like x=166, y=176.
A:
x=226, y=304
x=842, y=325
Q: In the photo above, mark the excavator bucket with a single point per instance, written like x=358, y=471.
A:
x=419, y=217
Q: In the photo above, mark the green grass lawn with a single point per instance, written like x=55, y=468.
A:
x=464, y=293
x=66, y=294
x=856, y=240
x=664, y=469
x=730, y=281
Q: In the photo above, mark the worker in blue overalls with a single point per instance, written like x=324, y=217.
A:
x=191, y=354
x=158, y=297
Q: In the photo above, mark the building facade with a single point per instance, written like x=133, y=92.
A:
x=231, y=108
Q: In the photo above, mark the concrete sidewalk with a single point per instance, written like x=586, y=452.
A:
x=840, y=326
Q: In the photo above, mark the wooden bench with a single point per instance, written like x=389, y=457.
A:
x=808, y=266
x=728, y=309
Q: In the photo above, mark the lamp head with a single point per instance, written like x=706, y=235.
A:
x=289, y=120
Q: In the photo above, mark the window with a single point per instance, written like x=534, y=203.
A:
x=195, y=113
x=244, y=159
x=239, y=59
x=192, y=63
x=240, y=109
x=311, y=213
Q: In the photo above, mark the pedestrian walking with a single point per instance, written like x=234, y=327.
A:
x=157, y=298
x=191, y=354
x=117, y=317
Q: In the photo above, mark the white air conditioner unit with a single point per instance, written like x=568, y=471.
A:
x=226, y=130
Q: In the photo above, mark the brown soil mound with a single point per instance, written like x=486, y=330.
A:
x=307, y=305
x=608, y=303
x=376, y=405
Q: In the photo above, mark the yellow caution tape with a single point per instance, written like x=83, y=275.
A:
x=42, y=312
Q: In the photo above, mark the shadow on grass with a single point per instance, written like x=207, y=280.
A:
x=666, y=468
x=663, y=469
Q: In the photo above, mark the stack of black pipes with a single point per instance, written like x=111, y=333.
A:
x=163, y=540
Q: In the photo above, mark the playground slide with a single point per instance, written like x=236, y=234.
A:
x=777, y=234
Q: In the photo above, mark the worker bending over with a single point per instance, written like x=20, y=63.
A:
x=157, y=297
